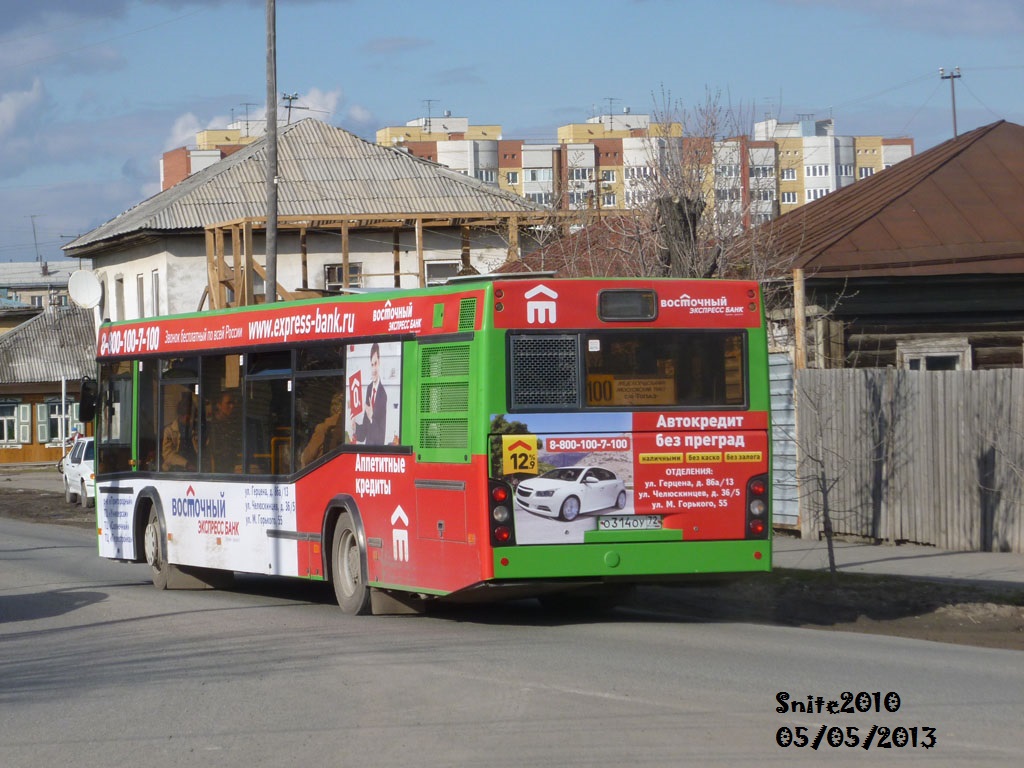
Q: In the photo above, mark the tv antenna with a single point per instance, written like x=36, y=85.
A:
x=290, y=97
x=429, y=103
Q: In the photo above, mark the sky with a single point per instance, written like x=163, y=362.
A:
x=93, y=92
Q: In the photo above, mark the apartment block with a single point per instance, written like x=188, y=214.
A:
x=619, y=161
x=813, y=161
x=211, y=147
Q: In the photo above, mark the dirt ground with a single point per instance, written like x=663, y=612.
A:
x=991, y=617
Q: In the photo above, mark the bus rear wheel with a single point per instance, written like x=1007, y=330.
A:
x=347, y=570
x=156, y=553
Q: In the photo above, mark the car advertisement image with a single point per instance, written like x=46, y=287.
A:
x=574, y=473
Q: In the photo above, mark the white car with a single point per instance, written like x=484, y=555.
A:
x=79, y=473
x=569, y=491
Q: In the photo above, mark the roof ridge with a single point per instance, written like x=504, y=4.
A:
x=835, y=206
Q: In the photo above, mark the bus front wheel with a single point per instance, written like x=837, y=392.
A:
x=347, y=568
x=156, y=553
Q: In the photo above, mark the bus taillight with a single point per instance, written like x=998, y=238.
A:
x=757, y=507
x=500, y=507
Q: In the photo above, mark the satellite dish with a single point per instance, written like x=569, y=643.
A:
x=84, y=288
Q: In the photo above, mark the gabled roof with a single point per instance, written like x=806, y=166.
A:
x=955, y=209
x=32, y=274
x=322, y=170
x=58, y=344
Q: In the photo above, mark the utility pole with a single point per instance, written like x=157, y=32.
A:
x=952, y=77
x=289, y=97
x=270, y=292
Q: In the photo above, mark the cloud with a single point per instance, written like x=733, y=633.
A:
x=15, y=104
x=977, y=18
x=183, y=131
x=459, y=76
x=53, y=13
x=319, y=104
x=389, y=46
x=359, y=116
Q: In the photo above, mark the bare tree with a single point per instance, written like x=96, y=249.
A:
x=690, y=203
x=850, y=449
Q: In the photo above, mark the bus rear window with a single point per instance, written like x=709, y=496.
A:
x=632, y=369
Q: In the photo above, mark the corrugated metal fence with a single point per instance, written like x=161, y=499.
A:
x=785, y=498
x=928, y=457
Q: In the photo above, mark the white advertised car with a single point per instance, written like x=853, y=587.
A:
x=79, y=474
x=569, y=491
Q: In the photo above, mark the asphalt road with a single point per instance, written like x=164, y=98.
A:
x=98, y=669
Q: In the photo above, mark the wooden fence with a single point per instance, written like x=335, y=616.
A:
x=927, y=457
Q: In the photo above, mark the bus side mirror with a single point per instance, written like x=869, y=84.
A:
x=87, y=400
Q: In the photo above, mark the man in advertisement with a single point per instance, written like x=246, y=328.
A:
x=371, y=428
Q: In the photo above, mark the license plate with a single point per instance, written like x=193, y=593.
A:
x=629, y=523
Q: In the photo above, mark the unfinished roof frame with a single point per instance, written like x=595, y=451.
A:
x=230, y=261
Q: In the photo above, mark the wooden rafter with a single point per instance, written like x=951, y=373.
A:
x=231, y=274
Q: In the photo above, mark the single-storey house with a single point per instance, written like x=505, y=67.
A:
x=919, y=267
x=351, y=215
x=42, y=364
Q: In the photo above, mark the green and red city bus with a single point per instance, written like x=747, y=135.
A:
x=488, y=438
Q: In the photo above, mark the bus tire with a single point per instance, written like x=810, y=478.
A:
x=570, y=509
x=156, y=551
x=347, y=568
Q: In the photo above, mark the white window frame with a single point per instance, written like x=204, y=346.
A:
x=333, y=274
x=790, y=198
x=914, y=355
x=9, y=431
x=154, y=287
x=787, y=174
x=48, y=418
x=440, y=272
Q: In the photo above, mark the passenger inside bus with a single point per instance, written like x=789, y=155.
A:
x=224, y=434
x=180, y=444
x=328, y=434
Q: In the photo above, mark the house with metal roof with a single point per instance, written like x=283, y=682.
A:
x=26, y=287
x=412, y=222
x=42, y=363
x=919, y=267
